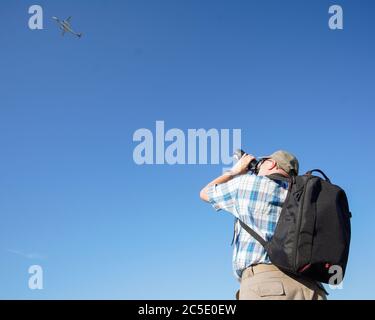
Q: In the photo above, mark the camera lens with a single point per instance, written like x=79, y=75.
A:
x=252, y=165
x=238, y=154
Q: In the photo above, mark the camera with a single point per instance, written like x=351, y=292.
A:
x=252, y=165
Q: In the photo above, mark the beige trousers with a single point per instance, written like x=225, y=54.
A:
x=267, y=282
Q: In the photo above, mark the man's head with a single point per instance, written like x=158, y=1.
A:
x=281, y=162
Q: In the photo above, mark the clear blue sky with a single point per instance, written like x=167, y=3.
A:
x=71, y=197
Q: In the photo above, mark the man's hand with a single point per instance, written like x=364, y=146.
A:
x=242, y=166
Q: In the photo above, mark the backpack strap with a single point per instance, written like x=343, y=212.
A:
x=309, y=173
x=276, y=176
x=254, y=234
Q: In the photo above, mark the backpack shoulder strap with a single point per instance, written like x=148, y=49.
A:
x=253, y=233
x=276, y=176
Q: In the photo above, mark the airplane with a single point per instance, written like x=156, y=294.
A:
x=65, y=26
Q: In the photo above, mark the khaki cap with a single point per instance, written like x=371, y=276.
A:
x=286, y=161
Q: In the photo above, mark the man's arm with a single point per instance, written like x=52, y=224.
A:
x=222, y=179
x=241, y=167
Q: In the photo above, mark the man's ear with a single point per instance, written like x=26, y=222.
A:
x=273, y=164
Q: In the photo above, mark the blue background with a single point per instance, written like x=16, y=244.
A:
x=71, y=197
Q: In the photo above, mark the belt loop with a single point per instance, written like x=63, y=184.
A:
x=252, y=271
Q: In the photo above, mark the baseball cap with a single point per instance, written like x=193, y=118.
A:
x=286, y=161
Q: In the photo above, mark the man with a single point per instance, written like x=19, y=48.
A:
x=257, y=199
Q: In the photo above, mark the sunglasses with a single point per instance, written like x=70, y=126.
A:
x=259, y=164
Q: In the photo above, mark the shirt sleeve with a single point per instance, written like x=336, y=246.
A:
x=223, y=196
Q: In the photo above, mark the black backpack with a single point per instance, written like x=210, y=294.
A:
x=313, y=230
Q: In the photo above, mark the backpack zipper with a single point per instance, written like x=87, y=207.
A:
x=296, y=242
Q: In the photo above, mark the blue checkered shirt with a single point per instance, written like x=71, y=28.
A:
x=257, y=201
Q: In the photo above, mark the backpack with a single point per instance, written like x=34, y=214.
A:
x=312, y=235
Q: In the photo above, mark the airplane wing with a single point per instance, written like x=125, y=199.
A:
x=68, y=20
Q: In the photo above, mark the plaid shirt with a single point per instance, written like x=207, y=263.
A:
x=257, y=201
